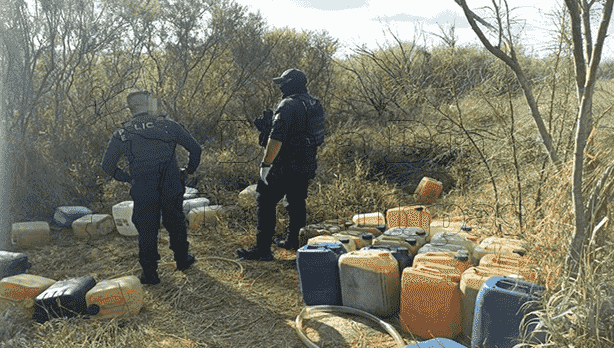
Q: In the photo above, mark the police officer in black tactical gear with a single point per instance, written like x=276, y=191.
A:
x=289, y=164
x=148, y=141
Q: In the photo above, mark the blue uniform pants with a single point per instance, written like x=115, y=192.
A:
x=281, y=182
x=153, y=197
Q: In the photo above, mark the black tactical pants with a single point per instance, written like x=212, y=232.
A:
x=281, y=182
x=153, y=196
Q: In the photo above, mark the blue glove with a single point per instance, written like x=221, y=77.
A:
x=264, y=171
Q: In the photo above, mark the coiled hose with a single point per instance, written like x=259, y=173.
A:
x=343, y=309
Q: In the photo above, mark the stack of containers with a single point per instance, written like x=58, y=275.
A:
x=29, y=234
x=370, y=281
x=412, y=238
x=500, y=307
x=498, y=245
x=431, y=300
x=318, y=273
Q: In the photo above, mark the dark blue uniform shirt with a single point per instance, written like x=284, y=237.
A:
x=149, y=142
x=290, y=127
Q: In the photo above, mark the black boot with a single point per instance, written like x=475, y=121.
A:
x=150, y=273
x=255, y=253
x=185, y=262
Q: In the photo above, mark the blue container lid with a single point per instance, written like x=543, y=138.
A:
x=437, y=343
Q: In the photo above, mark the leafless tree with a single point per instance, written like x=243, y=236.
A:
x=587, y=56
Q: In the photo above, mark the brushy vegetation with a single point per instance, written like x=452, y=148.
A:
x=394, y=115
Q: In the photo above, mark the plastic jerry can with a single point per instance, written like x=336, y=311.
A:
x=450, y=224
x=437, y=343
x=65, y=215
x=190, y=192
x=401, y=254
x=93, y=225
x=63, y=299
x=370, y=281
x=360, y=239
x=429, y=266
x=318, y=273
x=347, y=243
x=376, y=231
x=442, y=247
x=498, y=245
x=413, y=238
x=463, y=239
x=430, y=302
x=470, y=283
x=247, y=197
x=514, y=263
x=122, y=214
x=428, y=190
x=193, y=203
x=409, y=216
x=27, y=234
x=118, y=297
x=23, y=288
x=369, y=219
x=13, y=263
x=202, y=215
x=314, y=230
x=500, y=307
x=458, y=260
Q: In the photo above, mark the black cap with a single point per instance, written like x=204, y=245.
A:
x=295, y=76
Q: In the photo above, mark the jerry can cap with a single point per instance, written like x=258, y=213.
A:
x=367, y=236
x=344, y=240
x=420, y=231
x=411, y=241
x=466, y=228
x=461, y=256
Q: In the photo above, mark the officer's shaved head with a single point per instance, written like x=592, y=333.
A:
x=139, y=102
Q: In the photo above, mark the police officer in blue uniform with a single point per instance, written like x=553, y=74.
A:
x=288, y=165
x=148, y=141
